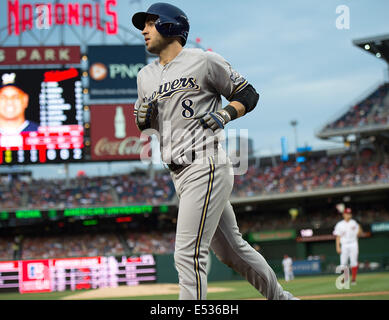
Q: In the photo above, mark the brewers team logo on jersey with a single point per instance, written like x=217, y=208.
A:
x=168, y=89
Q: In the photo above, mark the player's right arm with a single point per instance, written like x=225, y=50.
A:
x=145, y=112
x=337, y=233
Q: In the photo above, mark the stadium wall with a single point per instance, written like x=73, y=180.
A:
x=372, y=250
x=167, y=273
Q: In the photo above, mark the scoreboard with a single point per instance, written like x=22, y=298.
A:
x=49, y=275
x=50, y=102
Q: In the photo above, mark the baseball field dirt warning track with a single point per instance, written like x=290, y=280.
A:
x=133, y=291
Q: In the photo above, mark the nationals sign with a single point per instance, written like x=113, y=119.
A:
x=27, y=16
x=114, y=135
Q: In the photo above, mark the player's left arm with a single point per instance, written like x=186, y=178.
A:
x=242, y=96
x=360, y=231
x=244, y=102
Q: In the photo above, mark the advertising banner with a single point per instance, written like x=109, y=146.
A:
x=380, y=227
x=50, y=275
x=114, y=135
x=284, y=149
x=306, y=267
x=113, y=71
x=272, y=235
x=35, y=276
x=40, y=55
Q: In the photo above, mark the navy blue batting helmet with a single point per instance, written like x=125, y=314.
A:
x=171, y=22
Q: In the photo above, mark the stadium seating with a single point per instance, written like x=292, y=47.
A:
x=373, y=110
x=65, y=246
x=319, y=173
x=315, y=173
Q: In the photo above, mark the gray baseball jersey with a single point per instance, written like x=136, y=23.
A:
x=187, y=87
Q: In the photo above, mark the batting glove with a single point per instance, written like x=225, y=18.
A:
x=215, y=120
x=143, y=116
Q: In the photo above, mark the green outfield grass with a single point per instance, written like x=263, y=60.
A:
x=370, y=286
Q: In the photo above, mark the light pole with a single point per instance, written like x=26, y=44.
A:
x=294, y=123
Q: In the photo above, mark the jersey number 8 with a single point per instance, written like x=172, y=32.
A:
x=188, y=112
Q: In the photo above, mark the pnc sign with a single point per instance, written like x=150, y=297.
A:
x=27, y=16
x=113, y=71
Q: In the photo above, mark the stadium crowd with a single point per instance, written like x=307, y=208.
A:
x=373, y=110
x=80, y=245
x=11, y=192
x=282, y=177
x=8, y=247
x=319, y=173
x=81, y=191
x=155, y=243
x=86, y=191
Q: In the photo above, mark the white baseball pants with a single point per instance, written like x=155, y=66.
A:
x=349, y=252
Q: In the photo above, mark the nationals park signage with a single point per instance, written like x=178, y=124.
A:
x=23, y=17
x=40, y=55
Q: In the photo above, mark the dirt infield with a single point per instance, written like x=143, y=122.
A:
x=170, y=288
x=339, y=295
x=132, y=291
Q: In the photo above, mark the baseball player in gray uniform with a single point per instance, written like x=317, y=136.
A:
x=179, y=99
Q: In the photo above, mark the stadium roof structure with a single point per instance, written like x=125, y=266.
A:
x=378, y=46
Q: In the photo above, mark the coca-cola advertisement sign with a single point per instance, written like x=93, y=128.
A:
x=114, y=135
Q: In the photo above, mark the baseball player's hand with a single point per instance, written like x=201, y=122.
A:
x=214, y=120
x=338, y=250
x=144, y=115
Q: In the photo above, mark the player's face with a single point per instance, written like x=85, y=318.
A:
x=13, y=102
x=154, y=41
x=347, y=216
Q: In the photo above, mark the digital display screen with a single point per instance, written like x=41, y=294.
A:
x=81, y=212
x=41, y=116
x=50, y=275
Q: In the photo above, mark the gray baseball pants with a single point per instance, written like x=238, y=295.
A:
x=206, y=220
